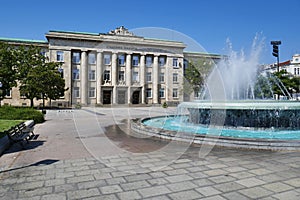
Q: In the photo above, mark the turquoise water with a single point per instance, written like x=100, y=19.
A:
x=181, y=124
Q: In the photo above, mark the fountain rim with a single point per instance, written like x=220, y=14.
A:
x=243, y=104
x=138, y=126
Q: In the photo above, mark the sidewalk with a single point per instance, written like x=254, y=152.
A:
x=84, y=154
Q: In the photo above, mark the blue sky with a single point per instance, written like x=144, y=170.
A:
x=209, y=22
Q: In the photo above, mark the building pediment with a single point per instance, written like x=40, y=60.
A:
x=121, y=31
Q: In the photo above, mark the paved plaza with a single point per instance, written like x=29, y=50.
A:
x=86, y=154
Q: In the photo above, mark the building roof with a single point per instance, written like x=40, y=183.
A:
x=22, y=40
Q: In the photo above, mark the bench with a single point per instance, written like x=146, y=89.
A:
x=20, y=133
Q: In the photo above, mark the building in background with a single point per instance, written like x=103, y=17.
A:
x=114, y=68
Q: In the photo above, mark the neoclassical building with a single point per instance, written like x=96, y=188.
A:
x=117, y=67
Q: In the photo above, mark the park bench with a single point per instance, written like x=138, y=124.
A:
x=21, y=132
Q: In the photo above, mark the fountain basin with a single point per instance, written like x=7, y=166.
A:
x=185, y=135
x=250, y=114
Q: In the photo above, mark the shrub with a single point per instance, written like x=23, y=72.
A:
x=165, y=105
x=13, y=113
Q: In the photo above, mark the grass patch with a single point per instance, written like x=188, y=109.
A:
x=7, y=124
x=13, y=113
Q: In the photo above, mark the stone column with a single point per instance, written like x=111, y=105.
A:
x=142, y=78
x=155, y=80
x=128, y=77
x=167, y=79
x=83, y=78
x=114, y=76
x=99, y=77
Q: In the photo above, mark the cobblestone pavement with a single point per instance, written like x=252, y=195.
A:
x=68, y=165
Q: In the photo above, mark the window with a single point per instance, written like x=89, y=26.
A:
x=92, y=92
x=148, y=77
x=92, y=58
x=106, y=75
x=148, y=93
x=8, y=94
x=135, y=60
x=92, y=75
x=161, y=77
x=149, y=61
x=107, y=59
x=162, y=92
x=76, y=74
x=121, y=60
x=135, y=77
x=185, y=64
x=60, y=56
x=175, y=62
x=76, y=92
x=175, y=93
x=61, y=71
x=175, y=78
x=295, y=71
x=76, y=57
x=298, y=71
x=161, y=61
x=121, y=76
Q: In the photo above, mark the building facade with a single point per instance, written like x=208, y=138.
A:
x=114, y=68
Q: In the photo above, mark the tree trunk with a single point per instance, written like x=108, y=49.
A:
x=31, y=103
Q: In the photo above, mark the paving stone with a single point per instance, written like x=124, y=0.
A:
x=91, y=184
x=203, y=182
x=53, y=182
x=100, y=175
x=215, y=172
x=110, y=189
x=28, y=185
x=277, y=187
x=255, y=192
x=208, y=191
x=178, y=178
x=175, y=187
x=79, y=194
x=290, y=195
x=250, y=182
x=234, y=169
x=35, y=192
x=65, y=188
x=78, y=179
x=221, y=179
x=157, y=181
x=176, y=171
x=154, y=191
x=130, y=195
x=295, y=182
x=241, y=175
x=228, y=187
x=217, y=197
x=134, y=185
x=103, y=197
x=114, y=181
x=235, y=196
x=137, y=177
x=60, y=196
x=186, y=195
x=260, y=171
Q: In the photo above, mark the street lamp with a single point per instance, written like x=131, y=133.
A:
x=275, y=52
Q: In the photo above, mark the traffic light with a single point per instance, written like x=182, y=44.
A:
x=275, y=50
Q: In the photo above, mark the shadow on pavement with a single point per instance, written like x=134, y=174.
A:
x=42, y=162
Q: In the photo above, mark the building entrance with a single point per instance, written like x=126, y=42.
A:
x=136, y=97
x=121, y=97
x=107, y=97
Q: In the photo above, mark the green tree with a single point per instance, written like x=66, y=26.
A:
x=195, y=74
x=7, y=69
x=38, y=78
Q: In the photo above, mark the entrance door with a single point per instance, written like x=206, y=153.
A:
x=107, y=97
x=121, y=97
x=136, y=97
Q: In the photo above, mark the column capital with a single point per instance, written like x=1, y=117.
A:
x=99, y=51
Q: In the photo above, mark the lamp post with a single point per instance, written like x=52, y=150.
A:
x=276, y=51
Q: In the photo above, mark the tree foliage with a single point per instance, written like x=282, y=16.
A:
x=195, y=74
x=8, y=69
x=37, y=77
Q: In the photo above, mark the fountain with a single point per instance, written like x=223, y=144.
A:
x=234, y=111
